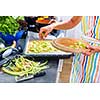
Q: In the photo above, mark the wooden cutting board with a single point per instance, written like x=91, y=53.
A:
x=65, y=44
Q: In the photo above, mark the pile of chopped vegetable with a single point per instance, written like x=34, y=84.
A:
x=40, y=47
x=8, y=24
x=78, y=45
x=23, y=67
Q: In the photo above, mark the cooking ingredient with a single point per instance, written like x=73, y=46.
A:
x=40, y=18
x=3, y=49
x=8, y=24
x=23, y=67
x=78, y=45
x=40, y=47
x=46, y=16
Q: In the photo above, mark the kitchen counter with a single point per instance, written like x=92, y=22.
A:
x=52, y=75
x=49, y=77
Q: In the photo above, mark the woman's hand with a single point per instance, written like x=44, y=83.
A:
x=44, y=31
x=91, y=49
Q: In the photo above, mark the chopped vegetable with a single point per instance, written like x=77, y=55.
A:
x=40, y=47
x=23, y=67
x=78, y=45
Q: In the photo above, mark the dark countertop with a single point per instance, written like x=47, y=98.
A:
x=51, y=73
x=50, y=76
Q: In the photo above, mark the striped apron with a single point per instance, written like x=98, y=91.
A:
x=86, y=69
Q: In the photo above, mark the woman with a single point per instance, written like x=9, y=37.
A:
x=86, y=65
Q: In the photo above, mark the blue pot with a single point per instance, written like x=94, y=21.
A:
x=8, y=38
x=19, y=35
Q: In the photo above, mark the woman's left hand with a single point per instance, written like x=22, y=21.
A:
x=91, y=50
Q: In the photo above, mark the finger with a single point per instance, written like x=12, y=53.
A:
x=90, y=47
x=92, y=51
x=40, y=35
x=46, y=34
x=87, y=52
x=95, y=48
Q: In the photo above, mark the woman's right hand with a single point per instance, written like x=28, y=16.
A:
x=44, y=31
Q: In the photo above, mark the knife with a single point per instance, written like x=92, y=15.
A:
x=25, y=78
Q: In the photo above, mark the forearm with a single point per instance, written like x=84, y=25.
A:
x=67, y=24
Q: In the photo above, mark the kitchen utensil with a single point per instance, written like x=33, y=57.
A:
x=58, y=53
x=70, y=45
x=25, y=78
